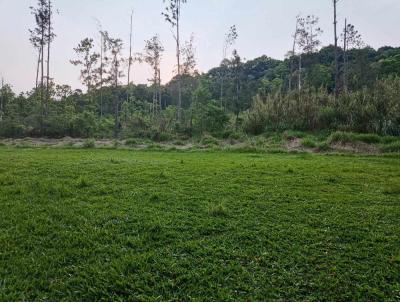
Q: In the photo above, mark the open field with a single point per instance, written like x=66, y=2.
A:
x=122, y=225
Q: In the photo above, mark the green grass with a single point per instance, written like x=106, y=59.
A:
x=120, y=225
x=391, y=147
x=349, y=137
x=308, y=142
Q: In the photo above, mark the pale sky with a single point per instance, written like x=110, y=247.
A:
x=264, y=26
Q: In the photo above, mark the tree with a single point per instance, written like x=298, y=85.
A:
x=115, y=73
x=38, y=38
x=130, y=60
x=230, y=39
x=2, y=101
x=172, y=15
x=351, y=39
x=152, y=55
x=88, y=59
x=291, y=54
x=188, y=53
x=236, y=65
x=307, y=36
x=49, y=38
x=336, y=48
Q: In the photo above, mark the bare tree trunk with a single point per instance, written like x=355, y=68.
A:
x=42, y=79
x=48, y=59
x=222, y=89
x=345, y=57
x=38, y=68
x=336, y=50
x=300, y=67
x=159, y=89
x=178, y=57
x=2, y=99
x=101, y=73
x=130, y=52
x=292, y=56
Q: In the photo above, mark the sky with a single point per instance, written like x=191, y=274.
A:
x=265, y=27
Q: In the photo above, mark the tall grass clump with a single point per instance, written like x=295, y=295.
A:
x=89, y=143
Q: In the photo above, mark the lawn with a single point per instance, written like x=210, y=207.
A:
x=120, y=225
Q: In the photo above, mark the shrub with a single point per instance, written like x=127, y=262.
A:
x=369, y=138
x=161, y=136
x=289, y=134
x=11, y=128
x=256, y=120
x=393, y=147
x=209, y=140
x=324, y=146
x=131, y=142
x=89, y=143
x=326, y=117
x=342, y=137
x=308, y=142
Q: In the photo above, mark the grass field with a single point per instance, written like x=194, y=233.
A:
x=120, y=225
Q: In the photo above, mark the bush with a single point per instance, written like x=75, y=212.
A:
x=11, y=128
x=308, y=142
x=208, y=140
x=341, y=137
x=393, y=147
x=89, y=143
x=326, y=117
x=256, y=120
x=324, y=146
x=161, y=136
x=288, y=135
x=348, y=137
x=369, y=138
x=131, y=142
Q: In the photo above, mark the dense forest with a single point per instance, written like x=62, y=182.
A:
x=348, y=86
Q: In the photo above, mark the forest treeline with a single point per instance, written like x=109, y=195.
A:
x=347, y=87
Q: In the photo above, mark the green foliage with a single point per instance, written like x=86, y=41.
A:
x=89, y=143
x=262, y=103
x=131, y=142
x=208, y=140
x=256, y=120
x=208, y=117
x=308, y=142
x=392, y=147
x=11, y=128
x=348, y=137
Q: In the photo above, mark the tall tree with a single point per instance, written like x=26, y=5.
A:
x=2, y=100
x=38, y=39
x=351, y=38
x=188, y=53
x=307, y=35
x=336, y=48
x=152, y=55
x=49, y=38
x=130, y=60
x=114, y=45
x=292, y=54
x=88, y=59
x=230, y=39
x=172, y=15
x=237, y=66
